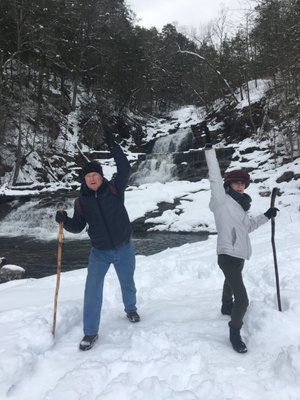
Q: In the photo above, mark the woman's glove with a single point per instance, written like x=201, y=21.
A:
x=271, y=212
x=208, y=141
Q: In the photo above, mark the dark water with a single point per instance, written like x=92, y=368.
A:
x=39, y=258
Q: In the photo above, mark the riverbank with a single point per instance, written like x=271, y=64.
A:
x=39, y=258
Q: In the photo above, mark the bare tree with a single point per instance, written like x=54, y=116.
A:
x=214, y=69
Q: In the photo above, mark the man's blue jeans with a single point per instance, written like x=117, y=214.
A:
x=123, y=259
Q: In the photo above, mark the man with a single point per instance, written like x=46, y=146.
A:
x=230, y=205
x=101, y=206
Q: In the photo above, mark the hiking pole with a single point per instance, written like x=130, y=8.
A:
x=273, y=197
x=59, y=252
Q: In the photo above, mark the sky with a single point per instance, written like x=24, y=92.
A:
x=188, y=13
x=180, y=350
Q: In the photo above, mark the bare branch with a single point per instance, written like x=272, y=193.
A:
x=213, y=68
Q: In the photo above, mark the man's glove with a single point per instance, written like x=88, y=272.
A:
x=108, y=136
x=208, y=141
x=61, y=216
x=271, y=212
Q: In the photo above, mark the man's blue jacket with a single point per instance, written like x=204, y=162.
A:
x=104, y=211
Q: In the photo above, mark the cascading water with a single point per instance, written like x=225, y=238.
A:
x=159, y=165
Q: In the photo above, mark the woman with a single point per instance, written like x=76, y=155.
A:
x=230, y=205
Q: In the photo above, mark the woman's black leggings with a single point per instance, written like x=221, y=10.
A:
x=232, y=268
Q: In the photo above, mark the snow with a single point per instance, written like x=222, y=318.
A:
x=13, y=267
x=180, y=349
x=186, y=115
x=256, y=91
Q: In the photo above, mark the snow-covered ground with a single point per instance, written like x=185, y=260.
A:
x=180, y=349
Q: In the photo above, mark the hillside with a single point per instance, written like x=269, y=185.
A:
x=180, y=349
x=255, y=154
x=56, y=164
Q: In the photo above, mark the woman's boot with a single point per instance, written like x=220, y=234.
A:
x=236, y=340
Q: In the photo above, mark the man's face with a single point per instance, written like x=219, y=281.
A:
x=93, y=180
x=238, y=186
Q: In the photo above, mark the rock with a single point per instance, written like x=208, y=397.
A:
x=285, y=177
x=192, y=166
x=11, y=272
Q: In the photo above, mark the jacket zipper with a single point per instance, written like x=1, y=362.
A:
x=105, y=222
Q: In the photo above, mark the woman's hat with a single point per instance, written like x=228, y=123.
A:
x=237, y=176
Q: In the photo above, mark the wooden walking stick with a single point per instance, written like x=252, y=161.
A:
x=59, y=253
x=273, y=197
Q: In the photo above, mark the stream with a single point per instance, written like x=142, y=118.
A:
x=39, y=258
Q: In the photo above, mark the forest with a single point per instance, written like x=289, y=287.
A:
x=62, y=56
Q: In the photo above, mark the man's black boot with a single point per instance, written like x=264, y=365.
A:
x=236, y=340
x=88, y=342
x=133, y=316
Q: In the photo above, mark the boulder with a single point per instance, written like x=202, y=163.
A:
x=11, y=272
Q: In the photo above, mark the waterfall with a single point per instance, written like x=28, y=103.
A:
x=36, y=219
x=159, y=166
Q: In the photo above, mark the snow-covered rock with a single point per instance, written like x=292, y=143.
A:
x=11, y=272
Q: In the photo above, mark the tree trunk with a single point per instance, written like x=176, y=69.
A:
x=39, y=97
x=18, y=151
x=75, y=90
x=250, y=108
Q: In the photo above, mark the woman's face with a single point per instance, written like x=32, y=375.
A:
x=238, y=186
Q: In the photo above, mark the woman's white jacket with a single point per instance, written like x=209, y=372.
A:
x=232, y=222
